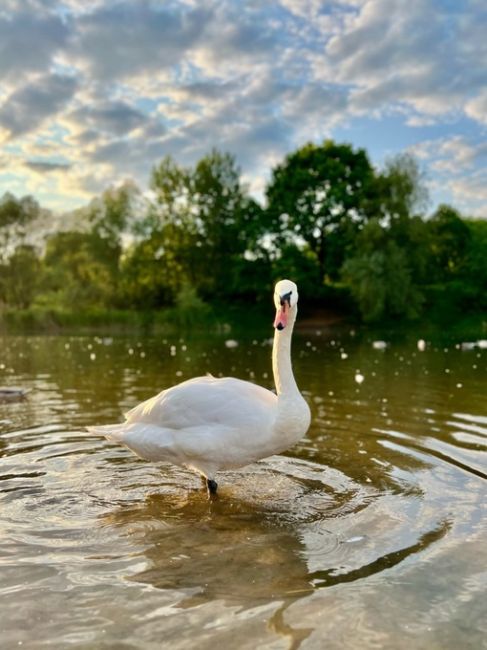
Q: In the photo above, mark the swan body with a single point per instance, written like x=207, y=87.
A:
x=209, y=424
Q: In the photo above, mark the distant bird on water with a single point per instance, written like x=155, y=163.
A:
x=13, y=393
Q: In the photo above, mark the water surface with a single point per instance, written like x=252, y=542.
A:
x=368, y=533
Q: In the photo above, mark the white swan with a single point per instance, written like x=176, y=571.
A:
x=209, y=424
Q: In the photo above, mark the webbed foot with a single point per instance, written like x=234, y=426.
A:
x=211, y=486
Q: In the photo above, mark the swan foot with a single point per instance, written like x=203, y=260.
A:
x=211, y=486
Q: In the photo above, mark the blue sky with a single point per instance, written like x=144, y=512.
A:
x=93, y=92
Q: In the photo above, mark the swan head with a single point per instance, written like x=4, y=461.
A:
x=285, y=300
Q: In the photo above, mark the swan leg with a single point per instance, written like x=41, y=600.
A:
x=212, y=486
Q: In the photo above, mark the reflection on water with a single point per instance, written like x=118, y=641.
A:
x=370, y=532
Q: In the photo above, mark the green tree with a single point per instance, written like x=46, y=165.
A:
x=301, y=265
x=83, y=267
x=401, y=190
x=474, y=268
x=450, y=240
x=228, y=223
x=77, y=270
x=319, y=192
x=15, y=216
x=111, y=216
x=19, y=277
x=152, y=269
x=379, y=276
x=202, y=224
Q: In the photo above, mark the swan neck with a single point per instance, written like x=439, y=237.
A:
x=281, y=360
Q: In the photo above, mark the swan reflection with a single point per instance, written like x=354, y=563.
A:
x=278, y=534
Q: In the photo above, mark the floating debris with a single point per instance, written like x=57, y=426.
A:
x=231, y=343
x=421, y=345
x=359, y=377
x=379, y=345
x=482, y=344
x=344, y=355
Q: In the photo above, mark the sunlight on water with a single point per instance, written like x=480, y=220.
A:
x=368, y=533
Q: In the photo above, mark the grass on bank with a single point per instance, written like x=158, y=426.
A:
x=238, y=320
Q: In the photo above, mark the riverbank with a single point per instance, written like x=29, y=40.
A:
x=225, y=320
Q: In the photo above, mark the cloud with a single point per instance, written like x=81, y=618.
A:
x=470, y=193
x=124, y=39
x=457, y=172
x=315, y=109
x=477, y=107
x=46, y=167
x=109, y=116
x=454, y=154
x=28, y=41
x=31, y=104
x=391, y=54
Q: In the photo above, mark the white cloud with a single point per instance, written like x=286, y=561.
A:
x=123, y=39
x=477, y=108
x=470, y=193
x=31, y=104
x=109, y=116
x=458, y=172
x=28, y=41
x=392, y=53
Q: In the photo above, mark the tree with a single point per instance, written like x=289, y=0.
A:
x=474, y=268
x=450, y=239
x=19, y=277
x=152, y=270
x=15, y=216
x=379, y=276
x=78, y=270
x=319, y=192
x=228, y=222
x=399, y=198
x=204, y=224
x=401, y=191
x=301, y=265
x=112, y=215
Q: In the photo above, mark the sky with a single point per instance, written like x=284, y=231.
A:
x=93, y=92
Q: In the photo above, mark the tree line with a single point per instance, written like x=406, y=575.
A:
x=350, y=235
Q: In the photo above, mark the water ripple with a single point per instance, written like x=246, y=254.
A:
x=377, y=504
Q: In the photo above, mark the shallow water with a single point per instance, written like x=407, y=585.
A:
x=369, y=533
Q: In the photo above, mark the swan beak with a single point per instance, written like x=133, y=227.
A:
x=280, y=321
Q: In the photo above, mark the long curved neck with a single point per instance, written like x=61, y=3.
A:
x=281, y=360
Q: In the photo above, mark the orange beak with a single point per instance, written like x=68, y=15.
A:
x=280, y=321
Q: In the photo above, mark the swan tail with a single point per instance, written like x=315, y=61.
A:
x=146, y=440
x=110, y=431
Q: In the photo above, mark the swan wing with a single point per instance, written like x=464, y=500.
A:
x=209, y=402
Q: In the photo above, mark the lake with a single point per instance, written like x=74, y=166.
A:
x=370, y=533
